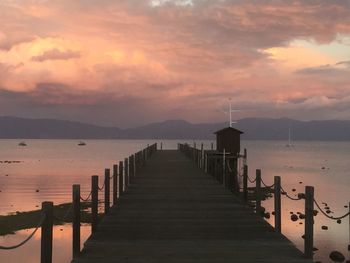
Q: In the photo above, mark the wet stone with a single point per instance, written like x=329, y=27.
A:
x=336, y=256
x=294, y=217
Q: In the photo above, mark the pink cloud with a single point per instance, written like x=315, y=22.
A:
x=55, y=54
x=189, y=57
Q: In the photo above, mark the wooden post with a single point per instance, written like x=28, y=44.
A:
x=214, y=167
x=224, y=169
x=46, y=232
x=245, y=183
x=121, y=178
x=202, y=156
x=131, y=168
x=115, y=184
x=134, y=163
x=277, y=189
x=76, y=220
x=161, y=146
x=144, y=157
x=212, y=146
x=258, y=191
x=107, y=190
x=126, y=173
x=94, y=203
x=309, y=222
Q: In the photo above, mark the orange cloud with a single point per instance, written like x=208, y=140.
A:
x=183, y=53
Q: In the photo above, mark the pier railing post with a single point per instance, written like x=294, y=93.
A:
x=258, y=191
x=94, y=203
x=126, y=172
x=309, y=222
x=245, y=183
x=202, y=157
x=224, y=183
x=131, y=168
x=46, y=232
x=107, y=190
x=121, y=178
x=134, y=168
x=277, y=194
x=76, y=220
x=115, y=184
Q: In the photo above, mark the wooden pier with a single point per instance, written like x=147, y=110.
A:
x=173, y=211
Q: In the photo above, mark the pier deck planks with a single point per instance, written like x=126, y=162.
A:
x=174, y=212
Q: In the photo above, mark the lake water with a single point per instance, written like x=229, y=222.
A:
x=47, y=169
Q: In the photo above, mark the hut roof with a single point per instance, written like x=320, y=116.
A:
x=228, y=129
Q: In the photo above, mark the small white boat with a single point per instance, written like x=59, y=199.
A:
x=81, y=143
x=289, y=139
x=22, y=144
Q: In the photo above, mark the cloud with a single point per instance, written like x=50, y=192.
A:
x=55, y=54
x=337, y=68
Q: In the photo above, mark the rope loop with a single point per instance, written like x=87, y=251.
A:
x=328, y=216
x=87, y=198
x=290, y=197
x=103, y=186
x=27, y=239
x=268, y=186
x=252, y=181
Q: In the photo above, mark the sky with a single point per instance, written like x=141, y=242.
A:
x=130, y=62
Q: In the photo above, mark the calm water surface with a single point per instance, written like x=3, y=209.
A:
x=52, y=166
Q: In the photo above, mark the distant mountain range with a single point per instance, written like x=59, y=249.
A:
x=253, y=128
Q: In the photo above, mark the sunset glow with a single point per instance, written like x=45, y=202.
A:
x=160, y=60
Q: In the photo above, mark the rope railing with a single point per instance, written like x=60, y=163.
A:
x=131, y=165
x=101, y=188
x=267, y=186
x=251, y=181
x=27, y=239
x=285, y=193
x=213, y=166
x=328, y=216
x=87, y=198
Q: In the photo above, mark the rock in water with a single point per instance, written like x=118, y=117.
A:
x=267, y=215
x=336, y=256
x=294, y=217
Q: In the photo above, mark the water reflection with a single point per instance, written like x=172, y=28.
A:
x=30, y=252
x=323, y=165
x=53, y=166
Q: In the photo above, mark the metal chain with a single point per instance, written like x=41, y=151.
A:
x=27, y=239
x=330, y=217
